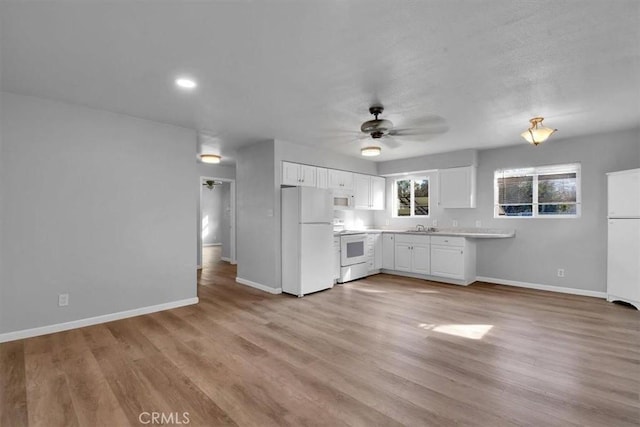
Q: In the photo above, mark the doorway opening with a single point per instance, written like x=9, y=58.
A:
x=216, y=221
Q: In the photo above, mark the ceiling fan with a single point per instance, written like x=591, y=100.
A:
x=382, y=131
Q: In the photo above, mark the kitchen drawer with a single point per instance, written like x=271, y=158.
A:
x=447, y=241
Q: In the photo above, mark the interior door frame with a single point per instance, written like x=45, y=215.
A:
x=232, y=218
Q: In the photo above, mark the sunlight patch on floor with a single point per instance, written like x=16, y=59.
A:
x=370, y=291
x=474, y=332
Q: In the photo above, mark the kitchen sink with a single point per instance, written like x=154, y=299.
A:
x=429, y=230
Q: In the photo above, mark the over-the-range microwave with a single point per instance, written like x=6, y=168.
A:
x=342, y=199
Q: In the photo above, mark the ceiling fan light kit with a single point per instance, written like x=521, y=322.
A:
x=377, y=128
x=210, y=184
x=537, y=134
x=371, y=151
x=210, y=158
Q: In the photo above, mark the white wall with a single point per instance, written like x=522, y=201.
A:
x=216, y=171
x=541, y=246
x=97, y=205
x=225, y=220
x=430, y=162
x=258, y=248
x=2, y=290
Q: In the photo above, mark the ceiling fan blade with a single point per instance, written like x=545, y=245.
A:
x=390, y=142
x=427, y=125
x=431, y=130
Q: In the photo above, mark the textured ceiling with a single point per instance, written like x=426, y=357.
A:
x=306, y=71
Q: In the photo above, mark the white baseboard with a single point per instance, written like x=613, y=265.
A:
x=540, y=287
x=226, y=259
x=258, y=286
x=59, y=327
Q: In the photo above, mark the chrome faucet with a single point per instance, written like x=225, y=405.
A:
x=420, y=227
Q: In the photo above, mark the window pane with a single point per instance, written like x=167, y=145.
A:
x=403, y=188
x=557, y=188
x=557, y=209
x=515, y=210
x=421, y=197
x=518, y=189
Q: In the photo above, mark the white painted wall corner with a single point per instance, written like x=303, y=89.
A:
x=89, y=321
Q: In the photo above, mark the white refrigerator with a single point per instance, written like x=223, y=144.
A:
x=623, y=238
x=307, y=240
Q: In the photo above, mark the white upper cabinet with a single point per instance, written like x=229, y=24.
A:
x=290, y=173
x=369, y=192
x=307, y=176
x=340, y=180
x=624, y=194
x=362, y=191
x=298, y=175
x=322, y=178
x=378, y=185
x=457, y=187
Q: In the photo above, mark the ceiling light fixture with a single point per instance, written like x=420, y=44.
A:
x=371, y=151
x=210, y=158
x=186, y=83
x=537, y=133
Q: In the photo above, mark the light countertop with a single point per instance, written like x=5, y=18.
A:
x=473, y=233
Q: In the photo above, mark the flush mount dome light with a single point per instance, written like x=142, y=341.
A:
x=186, y=83
x=537, y=134
x=371, y=151
x=210, y=158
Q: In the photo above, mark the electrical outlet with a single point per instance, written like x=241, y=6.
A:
x=478, y=223
x=454, y=223
x=63, y=300
x=386, y=221
x=561, y=272
x=434, y=223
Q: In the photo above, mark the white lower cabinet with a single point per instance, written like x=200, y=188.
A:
x=453, y=258
x=388, y=251
x=336, y=262
x=377, y=251
x=412, y=253
x=449, y=259
x=374, y=251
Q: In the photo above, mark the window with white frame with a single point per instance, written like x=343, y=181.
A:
x=538, y=192
x=411, y=197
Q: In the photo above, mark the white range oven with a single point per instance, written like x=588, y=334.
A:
x=353, y=257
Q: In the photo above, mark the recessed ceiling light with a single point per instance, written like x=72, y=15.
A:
x=371, y=151
x=186, y=83
x=210, y=158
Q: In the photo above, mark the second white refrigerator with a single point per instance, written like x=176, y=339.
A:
x=307, y=240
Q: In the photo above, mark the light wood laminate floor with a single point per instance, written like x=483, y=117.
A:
x=381, y=351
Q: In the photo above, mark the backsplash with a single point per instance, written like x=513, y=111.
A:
x=355, y=219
